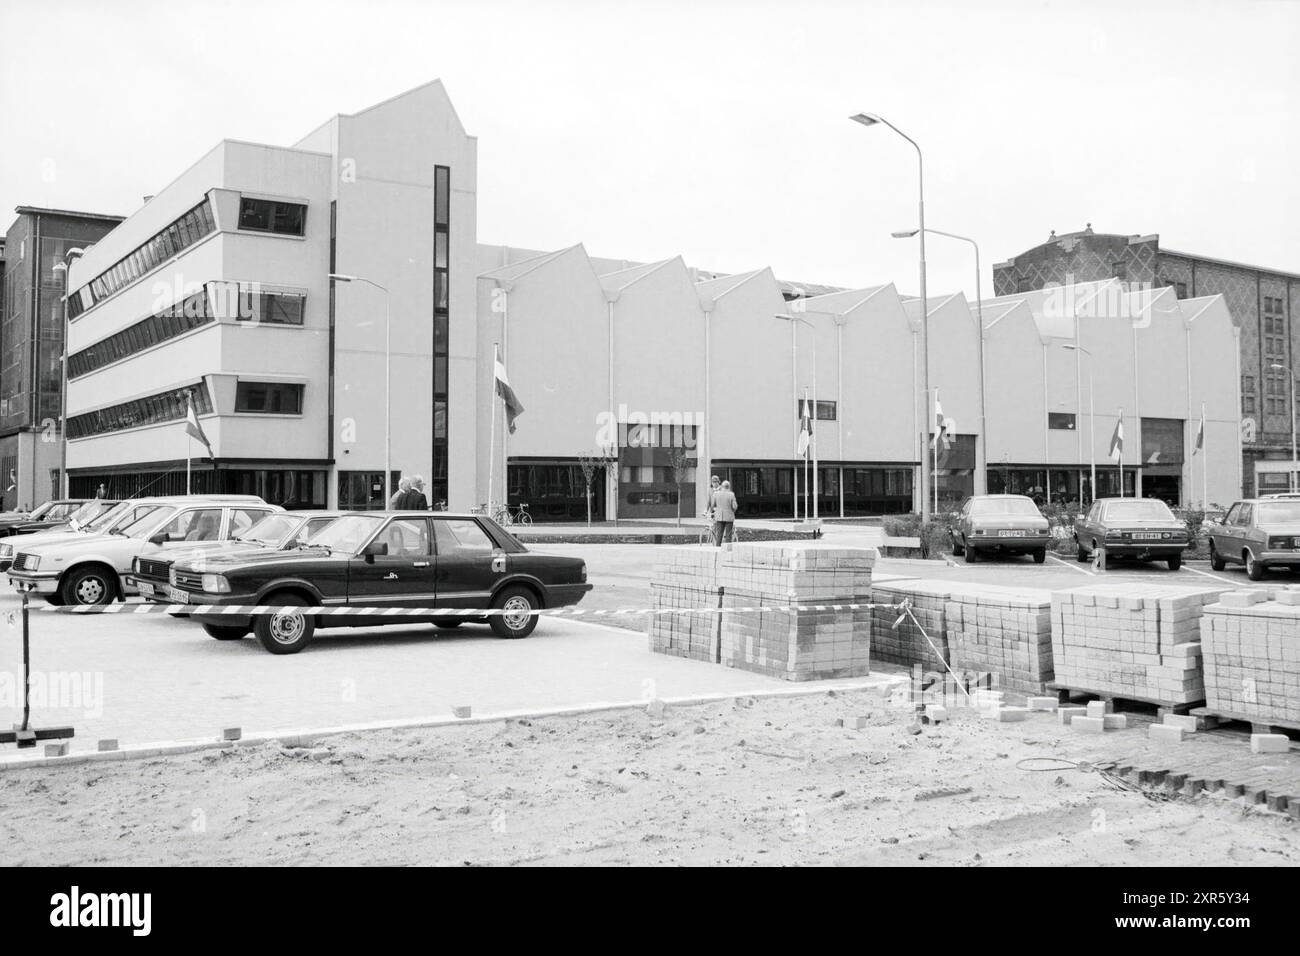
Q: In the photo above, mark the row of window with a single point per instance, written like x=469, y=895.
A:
x=167, y=406
x=269, y=215
x=1273, y=304
x=177, y=237
x=174, y=321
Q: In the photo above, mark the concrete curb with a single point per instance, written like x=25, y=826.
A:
x=300, y=737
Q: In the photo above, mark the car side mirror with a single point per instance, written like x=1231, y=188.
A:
x=159, y=538
x=373, y=549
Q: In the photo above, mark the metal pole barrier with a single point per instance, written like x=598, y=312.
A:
x=25, y=735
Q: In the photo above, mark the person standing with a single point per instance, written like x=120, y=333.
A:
x=414, y=499
x=395, y=502
x=724, y=515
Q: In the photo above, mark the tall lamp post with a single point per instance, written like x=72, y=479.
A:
x=388, y=394
x=794, y=320
x=871, y=119
x=63, y=266
x=1291, y=483
x=981, y=454
x=1092, y=424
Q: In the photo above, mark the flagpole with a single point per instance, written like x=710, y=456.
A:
x=934, y=416
x=806, y=411
x=1120, y=449
x=1205, y=459
x=492, y=440
x=189, y=449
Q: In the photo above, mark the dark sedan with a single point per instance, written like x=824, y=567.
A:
x=1009, y=524
x=381, y=560
x=52, y=514
x=281, y=531
x=1140, y=528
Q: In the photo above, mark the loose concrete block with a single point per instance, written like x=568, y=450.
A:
x=1114, y=722
x=656, y=708
x=1186, y=722
x=1165, y=734
x=1289, y=597
x=1099, y=708
x=853, y=723
x=107, y=744
x=462, y=711
x=1089, y=725
x=1242, y=598
x=1259, y=744
x=1010, y=714
x=1067, y=715
x=56, y=750
x=231, y=733
x=936, y=713
x=1044, y=703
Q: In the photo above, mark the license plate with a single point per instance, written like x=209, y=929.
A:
x=177, y=596
x=1012, y=534
x=1147, y=535
x=146, y=590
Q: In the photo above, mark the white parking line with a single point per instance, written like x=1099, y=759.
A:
x=1215, y=576
x=1074, y=566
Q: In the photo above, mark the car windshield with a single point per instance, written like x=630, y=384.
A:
x=271, y=530
x=129, y=512
x=60, y=512
x=107, y=518
x=1278, y=511
x=142, y=526
x=1004, y=506
x=88, y=511
x=348, y=533
x=1147, y=510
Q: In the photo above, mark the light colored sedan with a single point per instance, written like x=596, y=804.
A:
x=1008, y=524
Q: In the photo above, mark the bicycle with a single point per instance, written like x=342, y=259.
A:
x=520, y=516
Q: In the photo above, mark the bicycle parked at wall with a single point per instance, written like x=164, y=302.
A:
x=520, y=516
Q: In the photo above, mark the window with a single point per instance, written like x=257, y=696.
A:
x=175, y=320
x=268, y=398
x=1062, y=420
x=265, y=215
x=199, y=525
x=822, y=411
x=151, y=410
x=406, y=538
x=281, y=309
x=441, y=281
x=461, y=536
x=241, y=519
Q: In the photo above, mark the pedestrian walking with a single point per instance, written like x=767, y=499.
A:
x=714, y=484
x=724, y=515
x=395, y=502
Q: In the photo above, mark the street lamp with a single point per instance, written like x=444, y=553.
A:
x=871, y=119
x=1286, y=368
x=1092, y=423
x=388, y=361
x=981, y=457
x=794, y=346
x=62, y=266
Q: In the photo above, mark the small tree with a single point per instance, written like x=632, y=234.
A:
x=589, y=464
x=681, y=465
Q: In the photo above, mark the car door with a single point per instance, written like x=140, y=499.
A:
x=1226, y=539
x=469, y=563
x=963, y=520
x=1247, y=534
x=404, y=577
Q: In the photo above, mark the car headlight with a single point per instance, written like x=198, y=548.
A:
x=6, y=550
x=583, y=576
x=216, y=584
x=135, y=565
x=33, y=562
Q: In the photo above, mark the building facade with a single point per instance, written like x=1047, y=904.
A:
x=1262, y=302
x=36, y=246
x=313, y=302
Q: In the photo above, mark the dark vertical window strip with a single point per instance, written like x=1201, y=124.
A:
x=441, y=328
x=329, y=416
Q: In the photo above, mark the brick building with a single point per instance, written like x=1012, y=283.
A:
x=1262, y=302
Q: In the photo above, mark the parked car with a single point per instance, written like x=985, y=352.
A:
x=439, y=560
x=1259, y=533
x=91, y=569
x=80, y=516
x=48, y=515
x=283, y=531
x=1141, y=528
x=120, y=513
x=1009, y=524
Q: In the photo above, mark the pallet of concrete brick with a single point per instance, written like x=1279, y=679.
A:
x=686, y=580
x=1003, y=632
x=1250, y=644
x=906, y=644
x=819, y=625
x=1134, y=642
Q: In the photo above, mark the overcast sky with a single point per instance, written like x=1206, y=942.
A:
x=715, y=130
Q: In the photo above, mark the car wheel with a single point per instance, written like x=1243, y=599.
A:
x=1040, y=555
x=87, y=588
x=1216, y=560
x=516, y=618
x=956, y=547
x=1175, y=562
x=971, y=555
x=287, y=631
x=225, y=632
x=448, y=622
x=1254, y=570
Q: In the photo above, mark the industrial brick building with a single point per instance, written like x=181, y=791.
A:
x=1263, y=303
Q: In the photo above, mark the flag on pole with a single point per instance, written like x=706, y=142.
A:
x=1200, y=432
x=940, y=424
x=805, y=431
x=192, y=426
x=1117, y=440
x=514, y=408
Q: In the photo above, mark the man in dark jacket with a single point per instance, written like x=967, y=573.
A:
x=414, y=499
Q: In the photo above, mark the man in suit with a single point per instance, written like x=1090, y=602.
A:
x=724, y=515
x=403, y=486
x=414, y=499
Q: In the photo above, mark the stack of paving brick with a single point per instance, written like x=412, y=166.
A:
x=905, y=644
x=1136, y=642
x=1001, y=631
x=1251, y=648
x=687, y=578
x=806, y=644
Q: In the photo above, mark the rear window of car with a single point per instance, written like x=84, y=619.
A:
x=1147, y=510
x=461, y=535
x=1278, y=511
x=1004, y=506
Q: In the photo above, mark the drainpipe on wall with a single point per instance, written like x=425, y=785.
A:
x=611, y=471
x=1137, y=424
x=704, y=455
